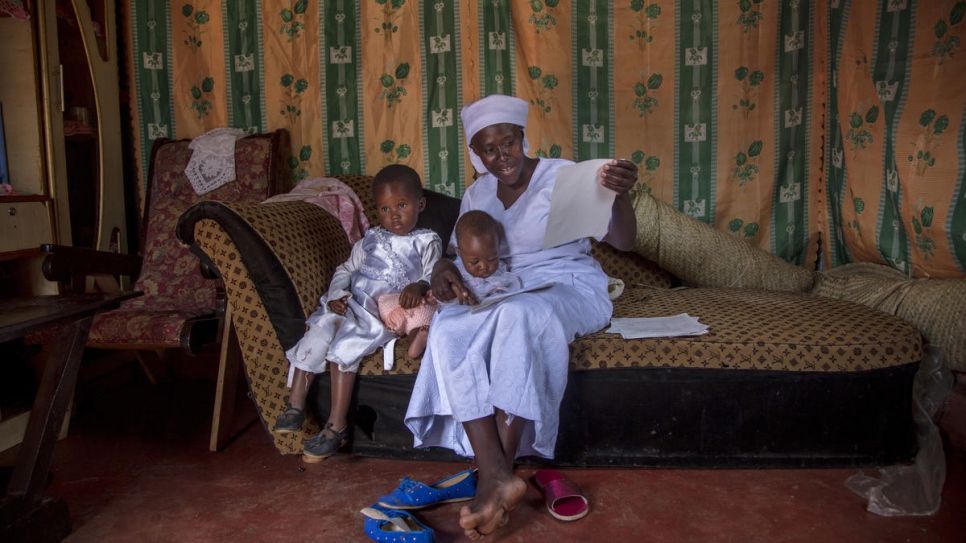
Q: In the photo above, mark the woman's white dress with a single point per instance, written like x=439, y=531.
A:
x=513, y=355
x=380, y=263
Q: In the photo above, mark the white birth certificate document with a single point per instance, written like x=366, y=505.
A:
x=579, y=207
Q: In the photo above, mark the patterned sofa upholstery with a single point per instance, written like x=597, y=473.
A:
x=781, y=379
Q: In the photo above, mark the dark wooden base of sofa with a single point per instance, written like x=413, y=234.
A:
x=696, y=418
x=728, y=418
x=378, y=408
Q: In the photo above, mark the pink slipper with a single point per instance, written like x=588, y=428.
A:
x=563, y=497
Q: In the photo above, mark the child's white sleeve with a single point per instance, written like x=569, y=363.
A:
x=339, y=286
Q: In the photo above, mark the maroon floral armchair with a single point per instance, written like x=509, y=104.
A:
x=180, y=307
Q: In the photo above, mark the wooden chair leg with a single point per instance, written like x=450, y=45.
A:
x=226, y=388
x=154, y=366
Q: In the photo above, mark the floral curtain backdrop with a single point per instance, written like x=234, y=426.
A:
x=825, y=132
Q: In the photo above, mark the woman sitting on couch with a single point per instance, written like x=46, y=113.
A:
x=491, y=382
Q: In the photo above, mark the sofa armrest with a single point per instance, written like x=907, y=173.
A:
x=70, y=266
x=290, y=250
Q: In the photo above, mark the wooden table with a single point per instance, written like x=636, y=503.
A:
x=24, y=514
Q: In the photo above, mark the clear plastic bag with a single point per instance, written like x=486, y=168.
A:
x=914, y=489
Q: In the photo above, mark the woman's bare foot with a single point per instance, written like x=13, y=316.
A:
x=417, y=343
x=495, y=498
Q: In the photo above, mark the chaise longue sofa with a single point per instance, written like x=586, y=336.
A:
x=784, y=378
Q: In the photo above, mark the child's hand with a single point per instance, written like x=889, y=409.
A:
x=339, y=306
x=412, y=295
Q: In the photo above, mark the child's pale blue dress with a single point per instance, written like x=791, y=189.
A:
x=380, y=263
x=500, y=282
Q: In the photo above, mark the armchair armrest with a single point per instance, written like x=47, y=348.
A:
x=70, y=266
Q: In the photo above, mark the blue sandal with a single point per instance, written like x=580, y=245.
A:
x=415, y=495
x=392, y=526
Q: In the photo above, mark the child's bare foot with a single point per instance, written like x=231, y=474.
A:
x=495, y=498
x=417, y=342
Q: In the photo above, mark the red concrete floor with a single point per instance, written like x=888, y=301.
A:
x=135, y=468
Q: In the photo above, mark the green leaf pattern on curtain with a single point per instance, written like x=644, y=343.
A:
x=197, y=19
x=202, y=95
x=950, y=33
x=295, y=85
x=292, y=24
x=647, y=93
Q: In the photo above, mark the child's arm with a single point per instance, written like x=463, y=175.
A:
x=339, y=286
x=338, y=306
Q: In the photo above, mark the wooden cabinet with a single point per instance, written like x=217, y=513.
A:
x=26, y=219
x=25, y=224
x=20, y=99
x=59, y=92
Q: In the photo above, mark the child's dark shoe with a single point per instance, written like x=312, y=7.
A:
x=320, y=446
x=289, y=421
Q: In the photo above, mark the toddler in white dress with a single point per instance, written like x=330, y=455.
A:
x=394, y=257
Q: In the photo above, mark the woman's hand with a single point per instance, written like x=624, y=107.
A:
x=338, y=306
x=412, y=295
x=620, y=176
x=448, y=284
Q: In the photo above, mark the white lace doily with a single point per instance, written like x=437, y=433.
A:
x=212, y=163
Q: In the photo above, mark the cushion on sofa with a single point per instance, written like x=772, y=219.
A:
x=703, y=256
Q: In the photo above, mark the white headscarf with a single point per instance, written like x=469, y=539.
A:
x=494, y=109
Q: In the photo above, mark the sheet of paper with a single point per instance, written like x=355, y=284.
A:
x=579, y=207
x=675, y=326
x=492, y=300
